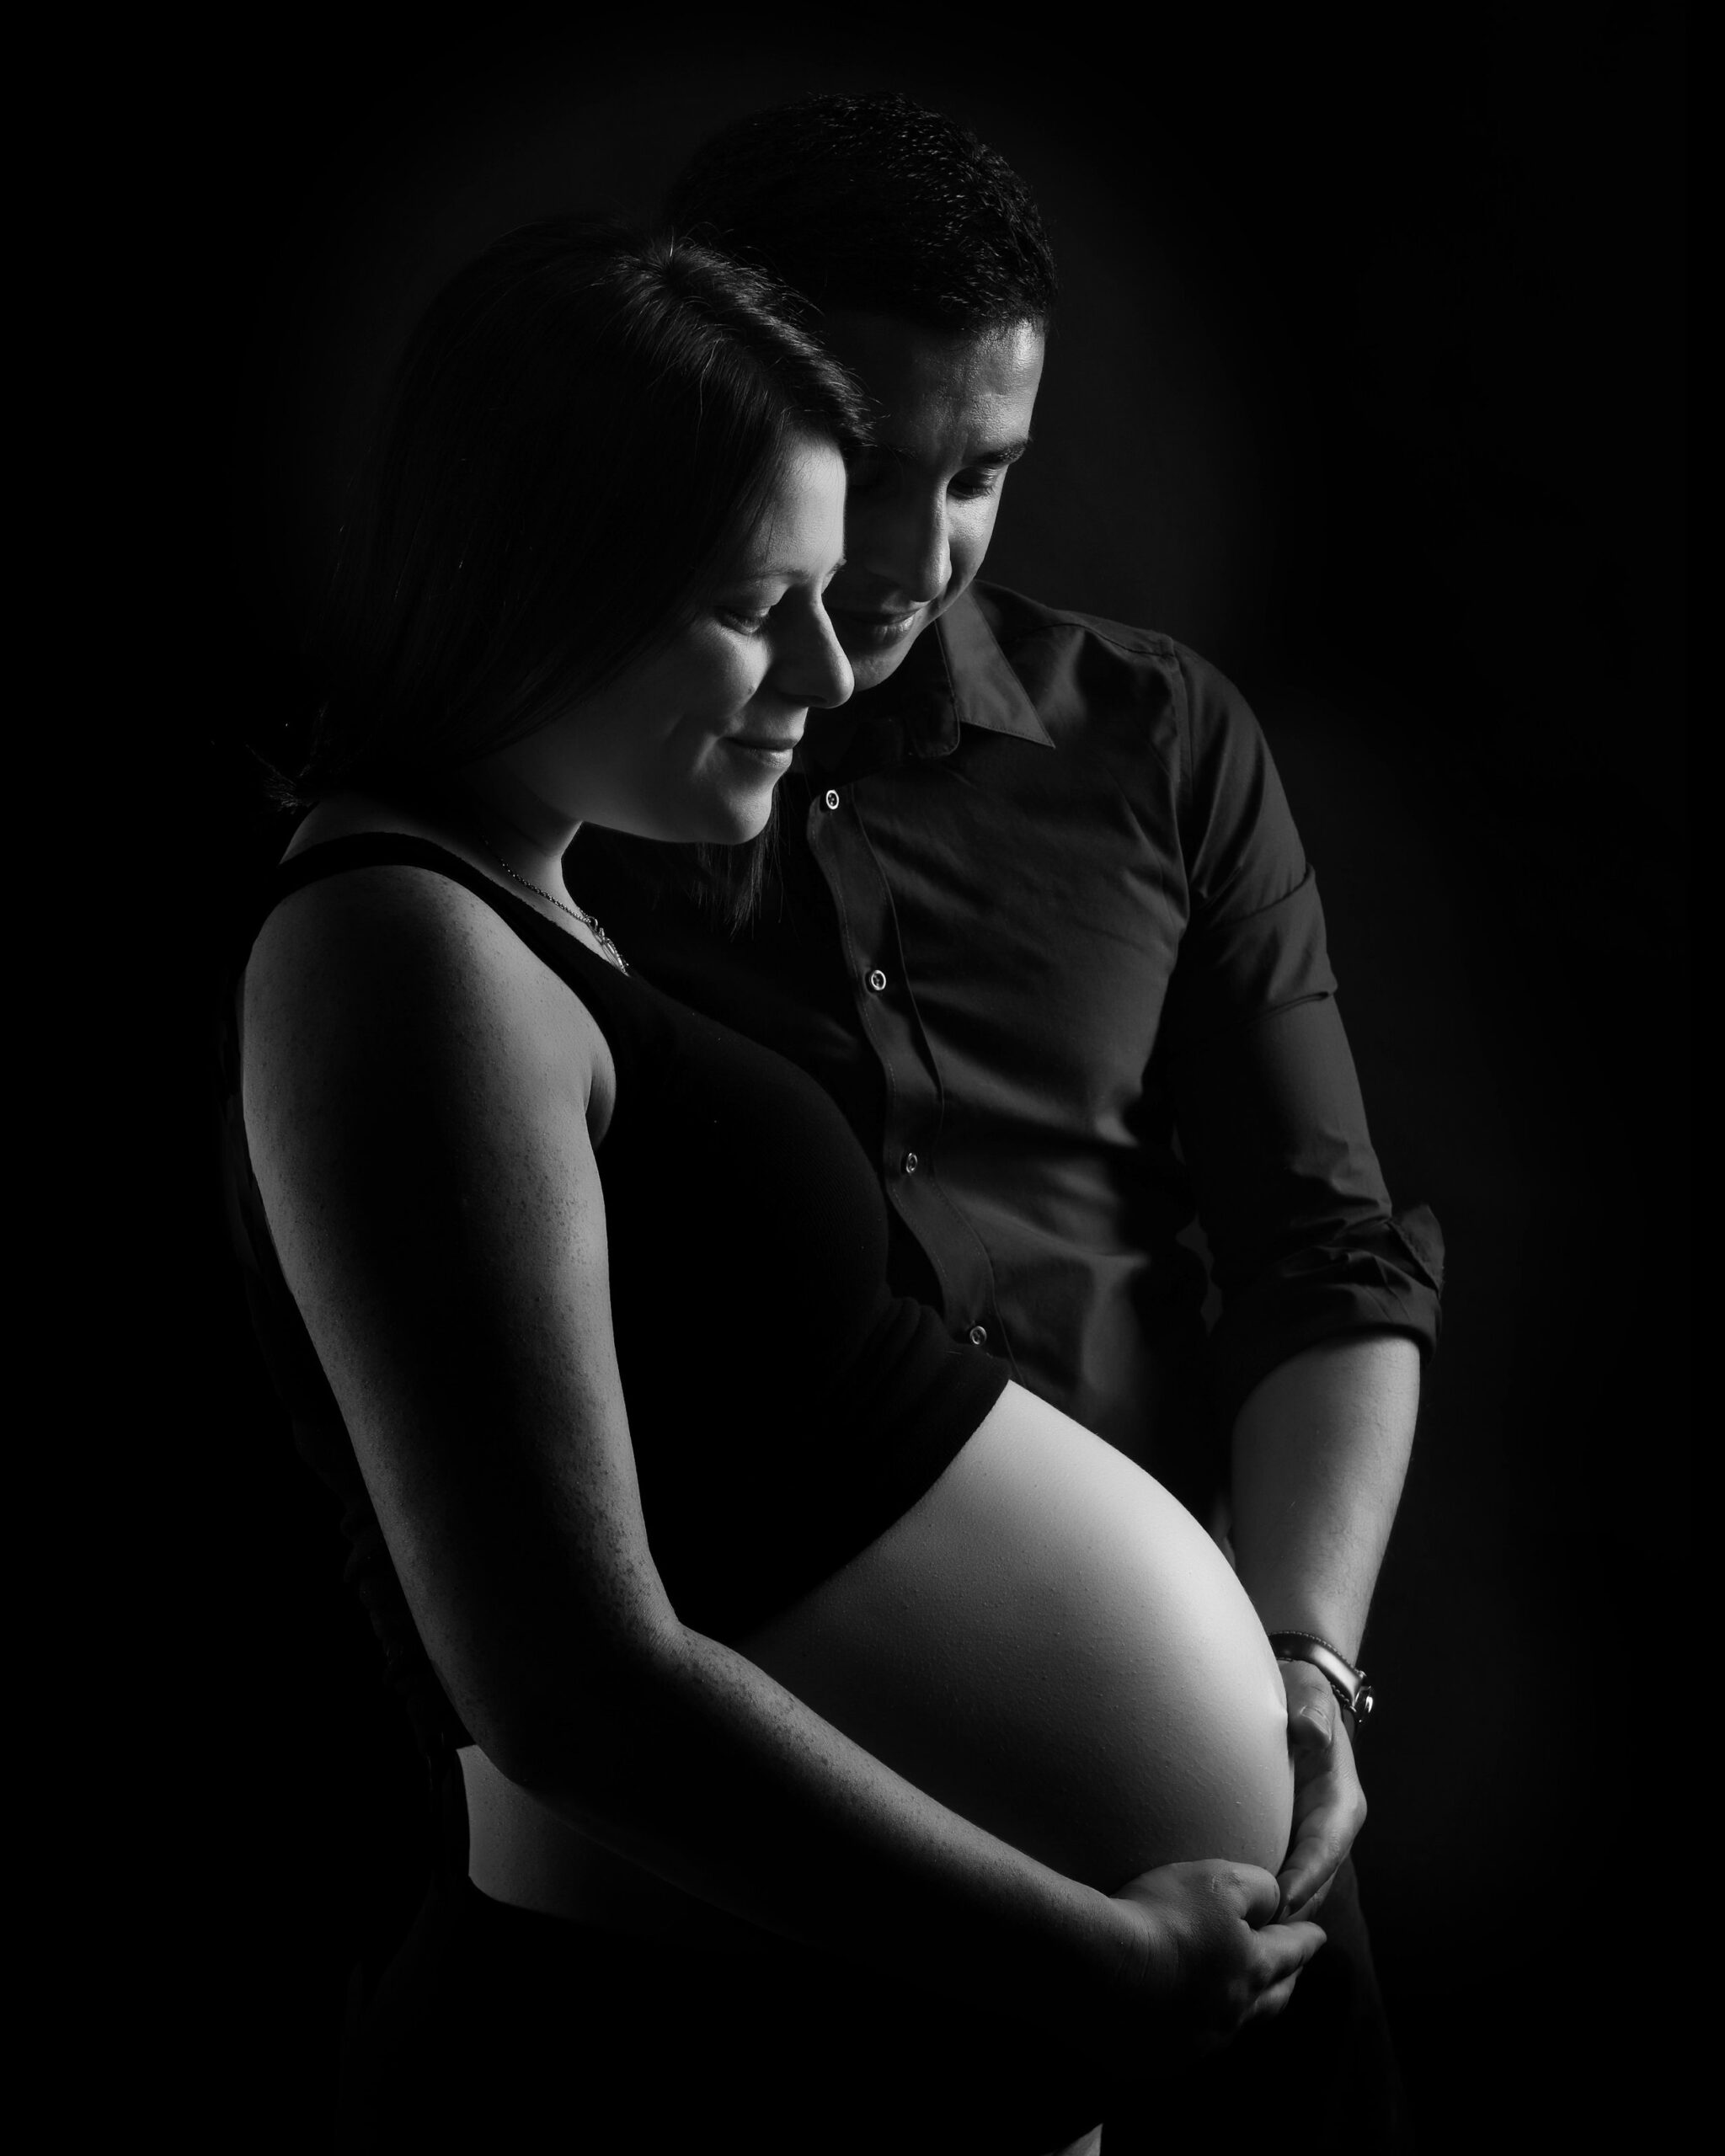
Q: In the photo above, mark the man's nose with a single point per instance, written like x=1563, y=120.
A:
x=912, y=550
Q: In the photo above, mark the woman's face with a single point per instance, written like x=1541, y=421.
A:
x=690, y=744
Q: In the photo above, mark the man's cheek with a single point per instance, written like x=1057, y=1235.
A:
x=970, y=547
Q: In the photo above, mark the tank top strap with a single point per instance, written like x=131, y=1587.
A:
x=603, y=988
x=392, y=849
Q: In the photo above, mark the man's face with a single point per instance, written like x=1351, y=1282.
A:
x=955, y=415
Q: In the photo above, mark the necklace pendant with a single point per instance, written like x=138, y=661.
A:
x=606, y=944
x=607, y=949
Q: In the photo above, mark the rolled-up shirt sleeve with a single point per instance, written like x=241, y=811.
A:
x=1305, y=1243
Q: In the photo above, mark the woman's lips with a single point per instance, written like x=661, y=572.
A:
x=761, y=749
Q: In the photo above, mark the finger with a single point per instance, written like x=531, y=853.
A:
x=1309, y=1906
x=1311, y=1728
x=1269, y=2003
x=1256, y=1895
x=1286, y=1948
x=1327, y=1819
x=1309, y=1873
x=1311, y=1864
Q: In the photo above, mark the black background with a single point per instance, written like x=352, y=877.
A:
x=1368, y=384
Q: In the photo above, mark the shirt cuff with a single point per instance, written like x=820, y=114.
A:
x=1382, y=1276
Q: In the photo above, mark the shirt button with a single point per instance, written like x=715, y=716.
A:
x=979, y=1336
x=830, y=798
x=877, y=980
x=911, y=1164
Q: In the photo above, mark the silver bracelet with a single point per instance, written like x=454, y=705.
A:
x=1352, y=1687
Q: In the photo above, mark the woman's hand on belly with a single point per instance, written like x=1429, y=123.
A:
x=1213, y=1952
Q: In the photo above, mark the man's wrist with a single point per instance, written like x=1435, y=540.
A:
x=1352, y=1688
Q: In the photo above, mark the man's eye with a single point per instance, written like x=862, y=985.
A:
x=751, y=625
x=977, y=486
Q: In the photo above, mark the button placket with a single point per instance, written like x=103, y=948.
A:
x=885, y=1007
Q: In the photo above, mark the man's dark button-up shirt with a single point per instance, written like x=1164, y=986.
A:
x=1043, y=925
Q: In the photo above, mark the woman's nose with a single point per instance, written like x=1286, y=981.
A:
x=815, y=671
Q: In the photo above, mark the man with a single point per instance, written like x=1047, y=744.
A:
x=1040, y=921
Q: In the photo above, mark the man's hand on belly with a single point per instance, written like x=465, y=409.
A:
x=1329, y=1804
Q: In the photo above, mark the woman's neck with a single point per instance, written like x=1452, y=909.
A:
x=450, y=818
x=525, y=832
x=486, y=814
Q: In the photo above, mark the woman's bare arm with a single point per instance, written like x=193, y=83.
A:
x=418, y=1089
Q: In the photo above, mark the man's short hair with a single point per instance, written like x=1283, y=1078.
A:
x=874, y=204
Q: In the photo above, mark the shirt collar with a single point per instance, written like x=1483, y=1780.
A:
x=955, y=676
x=984, y=691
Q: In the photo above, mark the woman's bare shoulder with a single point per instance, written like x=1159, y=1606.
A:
x=400, y=973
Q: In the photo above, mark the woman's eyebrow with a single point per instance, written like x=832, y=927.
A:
x=784, y=573
x=1006, y=453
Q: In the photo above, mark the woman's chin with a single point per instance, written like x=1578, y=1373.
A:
x=738, y=821
x=731, y=821
x=750, y=827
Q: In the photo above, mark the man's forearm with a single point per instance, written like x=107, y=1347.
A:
x=1320, y=1453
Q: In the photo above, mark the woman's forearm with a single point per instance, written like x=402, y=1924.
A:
x=714, y=1777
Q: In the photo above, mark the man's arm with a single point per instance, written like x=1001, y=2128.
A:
x=1319, y=1452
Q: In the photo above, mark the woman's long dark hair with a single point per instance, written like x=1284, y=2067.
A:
x=577, y=434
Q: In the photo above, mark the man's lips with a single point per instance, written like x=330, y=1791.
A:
x=875, y=624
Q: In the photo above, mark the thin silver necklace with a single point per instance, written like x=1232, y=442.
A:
x=576, y=913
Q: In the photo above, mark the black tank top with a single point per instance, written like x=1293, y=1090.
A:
x=784, y=1407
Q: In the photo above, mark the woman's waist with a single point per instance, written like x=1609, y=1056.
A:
x=524, y=1855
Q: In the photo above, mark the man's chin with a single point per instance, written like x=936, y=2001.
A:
x=872, y=673
x=872, y=667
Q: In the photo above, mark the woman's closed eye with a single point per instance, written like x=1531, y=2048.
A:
x=749, y=620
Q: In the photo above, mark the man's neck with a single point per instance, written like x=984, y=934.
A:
x=869, y=731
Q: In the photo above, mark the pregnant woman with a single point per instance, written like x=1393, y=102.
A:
x=856, y=1753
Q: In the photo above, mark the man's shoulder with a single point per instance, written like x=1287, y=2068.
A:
x=1017, y=621
x=1081, y=670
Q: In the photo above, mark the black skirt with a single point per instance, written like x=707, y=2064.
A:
x=499, y=2029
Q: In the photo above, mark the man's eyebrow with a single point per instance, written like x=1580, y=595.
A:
x=1007, y=453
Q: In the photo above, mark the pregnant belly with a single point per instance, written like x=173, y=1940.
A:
x=1047, y=1641
x=1051, y=1644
